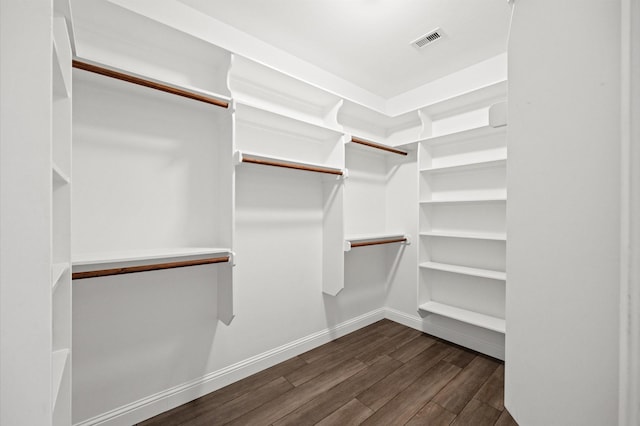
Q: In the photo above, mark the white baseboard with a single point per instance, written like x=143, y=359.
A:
x=162, y=401
x=446, y=333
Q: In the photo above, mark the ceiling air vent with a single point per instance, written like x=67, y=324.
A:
x=428, y=38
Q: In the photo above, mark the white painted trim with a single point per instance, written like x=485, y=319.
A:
x=629, y=369
x=455, y=336
x=178, y=395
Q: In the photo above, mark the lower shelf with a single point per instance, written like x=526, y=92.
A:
x=465, y=270
x=105, y=264
x=58, y=364
x=466, y=316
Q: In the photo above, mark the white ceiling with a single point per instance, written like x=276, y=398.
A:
x=367, y=41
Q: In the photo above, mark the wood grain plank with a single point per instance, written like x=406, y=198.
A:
x=477, y=413
x=505, y=419
x=389, y=344
x=412, y=348
x=407, y=403
x=460, y=356
x=286, y=403
x=312, y=370
x=432, y=415
x=459, y=392
x=386, y=389
x=246, y=402
x=351, y=414
x=492, y=391
x=184, y=413
x=324, y=404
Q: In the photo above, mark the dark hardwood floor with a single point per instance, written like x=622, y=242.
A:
x=384, y=374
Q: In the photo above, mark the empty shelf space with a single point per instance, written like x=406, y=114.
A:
x=105, y=264
x=186, y=92
x=465, y=200
x=464, y=315
x=58, y=364
x=245, y=157
x=478, y=132
x=466, y=166
x=59, y=177
x=373, y=240
x=378, y=146
x=465, y=270
x=57, y=270
x=469, y=235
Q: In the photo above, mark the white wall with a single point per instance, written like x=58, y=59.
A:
x=25, y=193
x=563, y=213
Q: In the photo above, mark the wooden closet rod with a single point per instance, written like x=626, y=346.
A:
x=276, y=163
x=377, y=242
x=148, y=83
x=378, y=146
x=145, y=268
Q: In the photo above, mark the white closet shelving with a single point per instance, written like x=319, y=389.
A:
x=462, y=202
x=61, y=178
x=152, y=129
x=377, y=229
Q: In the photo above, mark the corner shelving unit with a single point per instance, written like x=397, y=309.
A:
x=152, y=142
x=463, y=222
x=61, y=181
x=376, y=198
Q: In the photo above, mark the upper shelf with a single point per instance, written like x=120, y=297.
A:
x=467, y=166
x=130, y=77
x=465, y=270
x=465, y=200
x=477, y=132
x=245, y=157
x=91, y=265
x=466, y=235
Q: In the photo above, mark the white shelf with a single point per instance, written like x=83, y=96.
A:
x=468, y=235
x=478, y=132
x=465, y=270
x=246, y=157
x=58, y=364
x=59, y=177
x=57, y=269
x=467, y=166
x=465, y=200
x=86, y=261
x=480, y=320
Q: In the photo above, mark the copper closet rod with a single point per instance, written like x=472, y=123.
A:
x=277, y=163
x=377, y=242
x=377, y=146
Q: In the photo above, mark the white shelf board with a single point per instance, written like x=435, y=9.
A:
x=183, y=87
x=61, y=58
x=465, y=270
x=464, y=315
x=59, y=177
x=58, y=364
x=282, y=114
x=465, y=200
x=83, y=262
x=467, y=166
x=239, y=158
x=478, y=132
x=57, y=269
x=468, y=235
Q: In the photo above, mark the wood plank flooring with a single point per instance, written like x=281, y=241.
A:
x=384, y=374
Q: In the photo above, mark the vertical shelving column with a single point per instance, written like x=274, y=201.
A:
x=286, y=135
x=463, y=235
x=61, y=216
x=152, y=149
x=377, y=196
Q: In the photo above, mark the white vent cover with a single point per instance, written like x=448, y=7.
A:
x=428, y=38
